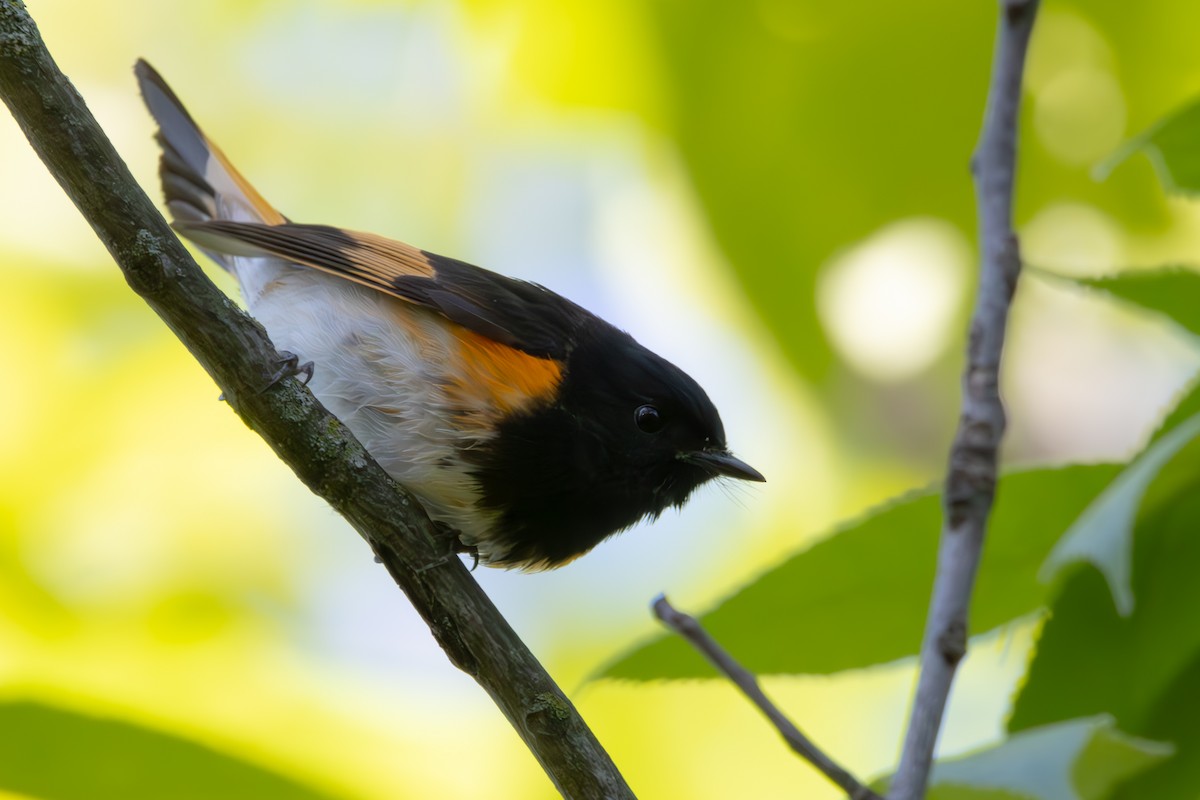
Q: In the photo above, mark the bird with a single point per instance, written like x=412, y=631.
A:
x=529, y=428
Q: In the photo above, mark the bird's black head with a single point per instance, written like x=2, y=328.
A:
x=647, y=426
x=628, y=435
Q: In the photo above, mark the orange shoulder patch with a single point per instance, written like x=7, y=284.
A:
x=504, y=377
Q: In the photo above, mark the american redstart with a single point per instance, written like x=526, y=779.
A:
x=531, y=427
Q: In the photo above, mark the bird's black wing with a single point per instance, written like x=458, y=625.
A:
x=516, y=313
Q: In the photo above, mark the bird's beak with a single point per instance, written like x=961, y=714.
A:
x=722, y=462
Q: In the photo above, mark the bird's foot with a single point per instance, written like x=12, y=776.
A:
x=450, y=536
x=470, y=550
x=290, y=367
x=453, y=538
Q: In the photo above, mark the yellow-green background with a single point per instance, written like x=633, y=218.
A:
x=707, y=175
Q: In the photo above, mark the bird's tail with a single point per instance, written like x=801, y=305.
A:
x=199, y=182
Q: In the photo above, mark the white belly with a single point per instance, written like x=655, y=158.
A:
x=379, y=367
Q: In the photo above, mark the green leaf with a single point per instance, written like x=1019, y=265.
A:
x=1173, y=291
x=859, y=598
x=1143, y=653
x=1143, y=669
x=1184, y=407
x=950, y=792
x=1173, y=719
x=57, y=754
x=1099, y=667
x=1112, y=757
x=1081, y=666
x=1103, y=534
x=1082, y=759
x=1171, y=147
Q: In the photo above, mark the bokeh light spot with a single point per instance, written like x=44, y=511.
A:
x=1072, y=239
x=888, y=303
x=1079, y=115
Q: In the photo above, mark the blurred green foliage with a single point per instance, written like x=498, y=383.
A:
x=1125, y=651
x=1081, y=759
x=155, y=559
x=56, y=754
x=808, y=125
x=1170, y=147
x=1174, y=291
x=872, y=578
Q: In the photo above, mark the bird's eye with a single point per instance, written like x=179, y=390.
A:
x=648, y=419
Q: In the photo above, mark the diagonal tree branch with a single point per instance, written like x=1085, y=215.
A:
x=971, y=478
x=693, y=632
x=234, y=349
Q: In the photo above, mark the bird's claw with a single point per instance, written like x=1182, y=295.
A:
x=470, y=550
x=457, y=547
x=290, y=367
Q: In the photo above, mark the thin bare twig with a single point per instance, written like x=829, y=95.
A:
x=323, y=453
x=693, y=632
x=971, y=477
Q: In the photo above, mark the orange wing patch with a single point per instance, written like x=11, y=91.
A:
x=385, y=259
x=500, y=376
x=365, y=258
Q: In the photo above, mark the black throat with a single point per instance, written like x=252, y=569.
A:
x=566, y=475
